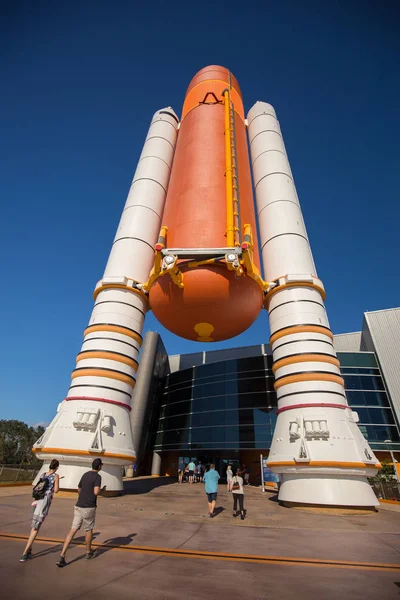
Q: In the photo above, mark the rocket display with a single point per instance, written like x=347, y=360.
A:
x=187, y=248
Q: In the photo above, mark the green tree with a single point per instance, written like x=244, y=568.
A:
x=387, y=471
x=16, y=441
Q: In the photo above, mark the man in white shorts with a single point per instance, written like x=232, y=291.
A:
x=85, y=510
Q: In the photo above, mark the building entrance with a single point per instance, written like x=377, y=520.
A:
x=221, y=463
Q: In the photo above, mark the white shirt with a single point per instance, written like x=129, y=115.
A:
x=239, y=480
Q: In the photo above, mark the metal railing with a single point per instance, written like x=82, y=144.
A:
x=385, y=490
x=18, y=473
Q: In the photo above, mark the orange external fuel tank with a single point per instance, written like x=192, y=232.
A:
x=215, y=303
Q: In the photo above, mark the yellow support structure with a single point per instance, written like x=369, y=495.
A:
x=230, y=225
x=235, y=177
x=158, y=271
x=155, y=273
x=247, y=259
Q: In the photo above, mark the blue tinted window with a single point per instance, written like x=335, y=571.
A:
x=216, y=368
x=376, y=415
x=216, y=418
x=213, y=403
x=179, y=422
x=379, y=433
x=179, y=408
x=179, y=377
x=234, y=436
x=367, y=398
x=180, y=436
x=359, y=371
x=251, y=364
x=177, y=395
x=215, y=389
x=231, y=417
x=363, y=382
x=363, y=415
x=357, y=359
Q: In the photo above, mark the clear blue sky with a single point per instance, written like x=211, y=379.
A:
x=80, y=82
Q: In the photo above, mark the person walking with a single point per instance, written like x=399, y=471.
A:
x=211, y=488
x=247, y=477
x=85, y=510
x=50, y=484
x=186, y=473
x=192, y=467
x=238, y=495
x=241, y=471
x=199, y=472
x=229, y=477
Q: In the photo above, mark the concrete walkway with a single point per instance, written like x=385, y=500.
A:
x=169, y=548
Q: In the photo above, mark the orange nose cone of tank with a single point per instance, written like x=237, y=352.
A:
x=214, y=304
x=207, y=86
x=214, y=73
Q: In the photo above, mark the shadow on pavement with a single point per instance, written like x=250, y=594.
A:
x=112, y=543
x=219, y=510
x=116, y=541
x=273, y=498
x=57, y=548
x=143, y=486
x=52, y=550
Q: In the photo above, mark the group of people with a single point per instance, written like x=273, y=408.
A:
x=191, y=472
x=89, y=488
x=235, y=485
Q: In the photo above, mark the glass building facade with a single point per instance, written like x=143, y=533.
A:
x=367, y=395
x=231, y=405
x=222, y=405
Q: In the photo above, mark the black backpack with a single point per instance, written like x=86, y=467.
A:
x=40, y=488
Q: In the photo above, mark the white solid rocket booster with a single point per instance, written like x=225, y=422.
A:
x=93, y=420
x=317, y=448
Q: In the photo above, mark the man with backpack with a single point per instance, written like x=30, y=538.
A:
x=85, y=510
x=42, y=494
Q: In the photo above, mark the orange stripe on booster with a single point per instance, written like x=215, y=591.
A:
x=94, y=453
x=131, y=362
x=291, y=360
x=114, y=329
x=300, y=329
x=324, y=463
x=308, y=377
x=104, y=373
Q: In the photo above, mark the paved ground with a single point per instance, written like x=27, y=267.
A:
x=168, y=548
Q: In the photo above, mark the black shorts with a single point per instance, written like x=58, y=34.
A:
x=191, y=473
x=212, y=496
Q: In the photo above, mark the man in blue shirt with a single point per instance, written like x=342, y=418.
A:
x=211, y=481
x=192, y=467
